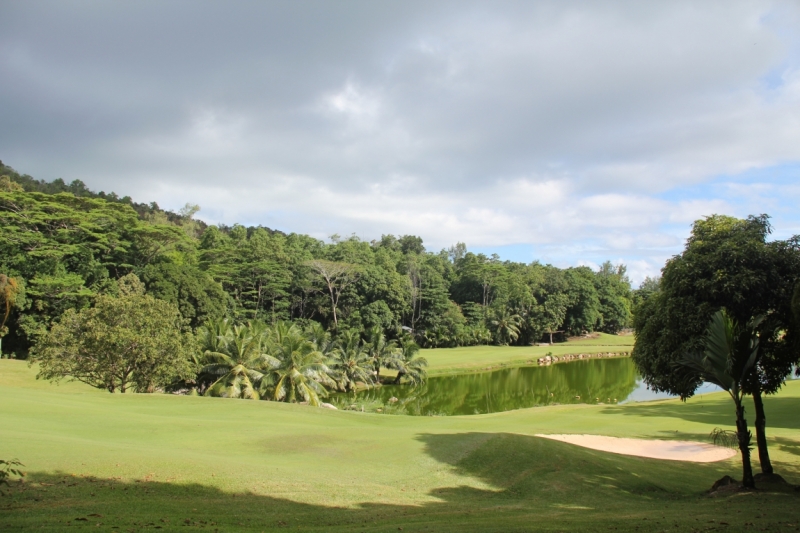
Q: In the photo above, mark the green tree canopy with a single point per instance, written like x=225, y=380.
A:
x=198, y=297
x=133, y=341
x=70, y=244
x=727, y=263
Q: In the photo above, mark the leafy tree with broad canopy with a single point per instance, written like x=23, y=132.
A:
x=198, y=297
x=727, y=263
x=133, y=341
x=336, y=277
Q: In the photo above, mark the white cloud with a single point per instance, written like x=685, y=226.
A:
x=353, y=102
x=572, y=127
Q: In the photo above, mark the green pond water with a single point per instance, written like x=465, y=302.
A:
x=594, y=381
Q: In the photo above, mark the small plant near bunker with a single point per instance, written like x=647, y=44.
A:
x=724, y=438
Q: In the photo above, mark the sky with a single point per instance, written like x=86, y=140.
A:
x=565, y=132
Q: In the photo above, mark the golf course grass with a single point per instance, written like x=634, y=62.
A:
x=442, y=361
x=127, y=462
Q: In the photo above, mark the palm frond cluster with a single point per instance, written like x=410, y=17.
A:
x=724, y=438
x=284, y=362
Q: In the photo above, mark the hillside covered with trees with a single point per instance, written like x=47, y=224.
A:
x=66, y=245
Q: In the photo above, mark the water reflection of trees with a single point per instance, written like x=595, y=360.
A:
x=592, y=381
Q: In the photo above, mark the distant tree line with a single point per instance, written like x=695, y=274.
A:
x=65, y=246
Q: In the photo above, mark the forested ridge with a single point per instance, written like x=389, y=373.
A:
x=67, y=244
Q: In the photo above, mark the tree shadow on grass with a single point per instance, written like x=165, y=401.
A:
x=550, y=471
x=63, y=502
x=781, y=412
x=787, y=445
x=512, y=483
x=535, y=467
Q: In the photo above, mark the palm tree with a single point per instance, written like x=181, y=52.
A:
x=408, y=364
x=505, y=325
x=296, y=368
x=238, y=362
x=317, y=334
x=349, y=362
x=213, y=335
x=381, y=351
x=439, y=336
x=731, y=352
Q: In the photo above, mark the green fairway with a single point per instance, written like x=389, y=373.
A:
x=479, y=358
x=139, y=462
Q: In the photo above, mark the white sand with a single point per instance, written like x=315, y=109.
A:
x=673, y=450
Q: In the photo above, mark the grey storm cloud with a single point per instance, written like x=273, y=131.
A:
x=455, y=120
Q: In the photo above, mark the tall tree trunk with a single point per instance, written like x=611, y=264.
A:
x=333, y=306
x=743, y=435
x=761, y=433
x=397, y=379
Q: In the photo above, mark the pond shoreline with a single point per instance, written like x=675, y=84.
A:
x=552, y=359
x=528, y=362
x=482, y=358
x=600, y=379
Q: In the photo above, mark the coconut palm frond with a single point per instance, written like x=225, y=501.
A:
x=218, y=357
x=505, y=325
x=729, y=355
x=246, y=389
x=409, y=365
x=238, y=360
x=317, y=334
x=382, y=352
x=280, y=389
x=218, y=369
x=296, y=366
x=222, y=387
x=253, y=375
x=213, y=335
x=349, y=362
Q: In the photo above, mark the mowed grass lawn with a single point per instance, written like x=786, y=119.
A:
x=102, y=462
x=479, y=358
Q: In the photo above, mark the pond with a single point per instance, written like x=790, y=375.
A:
x=594, y=381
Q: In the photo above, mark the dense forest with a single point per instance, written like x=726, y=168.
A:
x=67, y=245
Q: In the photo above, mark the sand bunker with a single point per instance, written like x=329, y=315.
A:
x=673, y=450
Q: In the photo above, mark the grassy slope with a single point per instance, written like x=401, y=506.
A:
x=477, y=358
x=188, y=463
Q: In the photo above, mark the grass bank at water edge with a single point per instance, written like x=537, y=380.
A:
x=443, y=361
